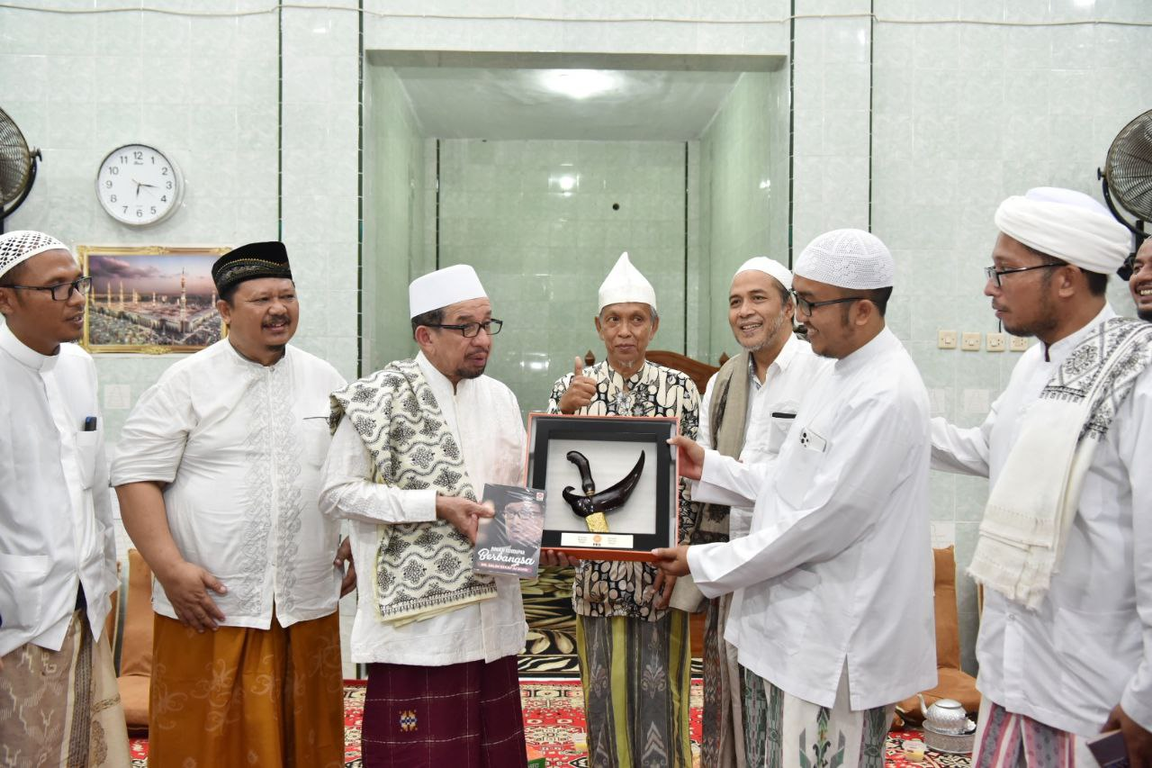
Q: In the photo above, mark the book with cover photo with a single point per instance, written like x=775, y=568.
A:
x=508, y=544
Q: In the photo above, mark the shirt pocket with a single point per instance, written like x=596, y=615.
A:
x=87, y=451
x=22, y=580
x=793, y=596
x=1098, y=652
x=315, y=437
x=800, y=460
x=782, y=418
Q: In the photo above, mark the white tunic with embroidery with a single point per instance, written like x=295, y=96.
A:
x=241, y=445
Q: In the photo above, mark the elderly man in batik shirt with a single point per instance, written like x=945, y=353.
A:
x=58, y=699
x=218, y=474
x=634, y=650
x=1065, y=546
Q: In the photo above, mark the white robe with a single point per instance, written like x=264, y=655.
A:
x=485, y=420
x=56, y=528
x=1089, y=645
x=240, y=445
x=837, y=570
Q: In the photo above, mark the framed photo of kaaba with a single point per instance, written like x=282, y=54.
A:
x=150, y=300
x=610, y=483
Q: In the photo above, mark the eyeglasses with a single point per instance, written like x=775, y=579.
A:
x=994, y=274
x=804, y=306
x=80, y=286
x=472, y=330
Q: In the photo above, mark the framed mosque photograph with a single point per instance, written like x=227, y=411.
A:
x=610, y=483
x=150, y=300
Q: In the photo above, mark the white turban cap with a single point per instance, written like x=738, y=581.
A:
x=770, y=267
x=625, y=285
x=1066, y=224
x=847, y=258
x=443, y=288
x=22, y=245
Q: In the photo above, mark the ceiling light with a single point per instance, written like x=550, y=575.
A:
x=578, y=83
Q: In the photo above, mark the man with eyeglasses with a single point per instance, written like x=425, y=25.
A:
x=218, y=475
x=1140, y=283
x=1065, y=546
x=837, y=568
x=414, y=445
x=59, y=703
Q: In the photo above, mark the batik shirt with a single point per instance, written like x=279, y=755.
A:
x=616, y=587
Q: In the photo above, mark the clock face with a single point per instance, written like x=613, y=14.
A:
x=138, y=185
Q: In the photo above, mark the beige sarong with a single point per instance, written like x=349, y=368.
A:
x=62, y=708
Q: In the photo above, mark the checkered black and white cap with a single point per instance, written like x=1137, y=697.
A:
x=847, y=258
x=22, y=245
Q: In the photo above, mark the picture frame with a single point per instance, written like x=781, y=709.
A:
x=150, y=300
x=611, y=446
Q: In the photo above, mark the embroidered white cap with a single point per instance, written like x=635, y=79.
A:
x=770, y=267
x=847, y=258
x=443, y=288
x=22, y=244
x=625, y=285
x=1066, y=224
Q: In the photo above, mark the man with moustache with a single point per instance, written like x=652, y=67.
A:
x=824, y=600
x=414, y=445
x=218, y=474
x=59, y=704
x=1065, y=546
x=746, y=413
x=634, y=650
x=1140, y=284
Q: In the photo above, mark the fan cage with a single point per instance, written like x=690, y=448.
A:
x=15, y=160
x=1129, y=167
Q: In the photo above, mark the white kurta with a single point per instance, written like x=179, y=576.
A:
x=1089, y=645
x=56, y=529
x=837, y=570
x=772, y=408
x=240, y=445
x=485, y=420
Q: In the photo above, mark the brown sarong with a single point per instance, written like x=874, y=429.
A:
x=241, y=696
x=62, y=707
x=461, y=715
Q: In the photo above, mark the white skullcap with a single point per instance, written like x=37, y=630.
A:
x=770, y=267
x=22, y=245
x=443, y=288
x=625, y=285
x=1066, y=224
x=847, y=258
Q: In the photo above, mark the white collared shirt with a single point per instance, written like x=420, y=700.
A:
x=240, y=445
x=772, y=408
x=56, y=529
x=485, y=420
x=1086, y=649
x=837, y=569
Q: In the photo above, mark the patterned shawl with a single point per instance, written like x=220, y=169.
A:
x=422, y=569
x=1037, y=494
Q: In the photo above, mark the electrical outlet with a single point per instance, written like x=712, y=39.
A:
x=946, y=339
x=994, y=342
x=970, y=341
x=1018, y=344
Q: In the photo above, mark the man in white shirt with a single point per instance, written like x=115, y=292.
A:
x=59, y=704
x=415, y=444
x=746, y=412
x=1065, y=546
x=1140, y=284
x=218, y=473
x=824, y=598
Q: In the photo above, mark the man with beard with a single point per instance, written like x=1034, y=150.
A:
x=746, y=412
x=59, y=704
x=1065, y=546
x=824, y=600
x=1140, y=284
x=414, y=446
x=218, y=475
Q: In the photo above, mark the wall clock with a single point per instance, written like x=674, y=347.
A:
x=138, y=185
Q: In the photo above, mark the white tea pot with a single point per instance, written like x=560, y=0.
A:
x=945, y=716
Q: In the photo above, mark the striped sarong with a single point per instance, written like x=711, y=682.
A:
x=636, y=676
x=722, y=734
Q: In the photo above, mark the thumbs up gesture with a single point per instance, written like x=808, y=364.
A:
x=580, y=392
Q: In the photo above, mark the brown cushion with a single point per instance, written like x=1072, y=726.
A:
x=134, y=697
x=947, y=618
x=136, y=640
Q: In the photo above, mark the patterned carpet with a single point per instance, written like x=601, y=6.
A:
x=554, y=724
